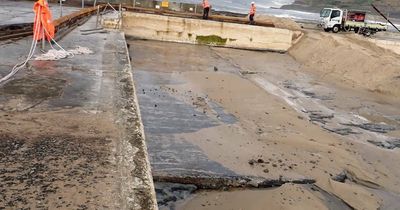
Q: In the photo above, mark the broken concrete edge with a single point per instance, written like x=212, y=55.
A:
x=352, y=177
x=295, y=40
x=329, y=196
x=131, y=121
x=223, y=182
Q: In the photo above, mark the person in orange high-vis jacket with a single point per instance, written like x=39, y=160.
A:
x=252, y=12
x=206, y=9
x=43, y=26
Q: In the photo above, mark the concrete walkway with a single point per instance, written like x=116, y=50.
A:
x=70, y=131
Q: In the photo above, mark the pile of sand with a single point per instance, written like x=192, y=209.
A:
x=280, y=22
x=351, y=59
x=284, y=23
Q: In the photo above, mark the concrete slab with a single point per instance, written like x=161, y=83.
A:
x=12, y=12
x=70, y=132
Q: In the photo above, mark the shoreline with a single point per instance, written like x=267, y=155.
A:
x=299, y=6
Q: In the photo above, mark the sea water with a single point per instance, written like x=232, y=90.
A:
x=267, y=7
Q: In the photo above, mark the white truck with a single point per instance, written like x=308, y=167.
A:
x=335, y=20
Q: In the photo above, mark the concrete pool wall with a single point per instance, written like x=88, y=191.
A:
x=197, y=31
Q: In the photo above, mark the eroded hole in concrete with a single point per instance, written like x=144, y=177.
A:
x=169, y=193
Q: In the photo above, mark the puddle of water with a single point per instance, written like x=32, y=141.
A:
x=168, y=194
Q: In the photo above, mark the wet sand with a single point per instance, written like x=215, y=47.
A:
x=294, y=197
x=272, y=138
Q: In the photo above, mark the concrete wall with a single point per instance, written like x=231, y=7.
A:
x=196, y=31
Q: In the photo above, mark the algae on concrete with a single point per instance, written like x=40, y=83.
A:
x=211, y=40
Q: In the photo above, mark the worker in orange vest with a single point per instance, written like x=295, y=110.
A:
x=252, y=12
x=206, y=9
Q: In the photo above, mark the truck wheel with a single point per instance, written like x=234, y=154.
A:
x=367, y=33
x=335, y=29
x=356, y=30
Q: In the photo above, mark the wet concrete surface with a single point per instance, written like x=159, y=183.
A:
x=166, y=113
x=70, y=134
x=163, y=116
x=15, y=12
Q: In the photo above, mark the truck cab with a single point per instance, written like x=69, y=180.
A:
x=331, y=19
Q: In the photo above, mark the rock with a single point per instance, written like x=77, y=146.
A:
x=340, y=177
x=252, y=161
x=317, y=116
x=386, y=144
x=378, y=128
x=341, y=131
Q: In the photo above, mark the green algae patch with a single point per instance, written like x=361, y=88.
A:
x=211, y=40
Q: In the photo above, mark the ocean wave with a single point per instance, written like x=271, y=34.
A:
x=267, y=7
x=242, y=4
